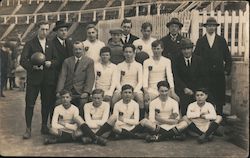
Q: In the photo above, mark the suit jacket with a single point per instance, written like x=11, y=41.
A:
x=37, y=77
x=192, y=77
x=82, y=79
x=61, y=51
x=217, y=60
x=171, y=48
x=131, y=39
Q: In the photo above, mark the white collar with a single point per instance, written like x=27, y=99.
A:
x=60, y=40
x=188, y=58
x=77, y=58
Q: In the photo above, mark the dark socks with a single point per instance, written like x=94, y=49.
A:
x=168, y=134
x=138, y=129
x=87, y=131
x=195, y=129
x=28, y=115
x=65, y=137
x=213, y=126
x=105, y=128
x=127, y=134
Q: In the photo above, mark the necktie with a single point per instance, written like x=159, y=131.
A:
x=188, y=63
x=126, y=39
x=76, y=65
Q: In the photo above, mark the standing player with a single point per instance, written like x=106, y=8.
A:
x=202, y=117
x=156, y=69
x=92, y=44
x=144, y=43
x=105, y=74
x=125, y=115
x=164, y=117
x=67, y=124
x=130, y=72
x=40, y=78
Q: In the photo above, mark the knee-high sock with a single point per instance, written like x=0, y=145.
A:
x=28, y=115
x=169, y=134
x=213, y=126
x=127, y=133
x=105, y=128
x=87, y=131
x=65, y=137
x=195, y=129
x=138, y=128
x=142, y=114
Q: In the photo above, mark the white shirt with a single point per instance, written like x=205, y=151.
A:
x=186, y=60
x=210, y=39
x=95, y=117
x=146, y=45
x=130, y=113
x=166, y=108
x=76, y=59
x=194, y=111
x=124, y=38
x=155, y=71
x=106, y=77
x=61, y=41
x=42, y=43
x=130, y=73
x=94, y=49
x=66, y=116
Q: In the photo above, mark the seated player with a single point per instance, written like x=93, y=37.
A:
x=105, y=74
x=96, y=113
x=130, y=72
x=125, y=115
x=67, y=125
x=155, y=69
x=164, y=118
x=202, y=117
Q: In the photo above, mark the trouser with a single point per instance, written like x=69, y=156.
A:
x=185, y=100
x=47, y=100
x=3, y=81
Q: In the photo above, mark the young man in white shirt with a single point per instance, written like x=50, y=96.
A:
x=202, y=117
x=164, y=118
x=92, y=44
x=67, y=125
x=105, y=74
x=130, y=72
x=125, y=115
x=156, y=69
x=144, y=44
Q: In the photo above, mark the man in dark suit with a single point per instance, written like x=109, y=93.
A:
x=172, y=40
x=188, y=74
x=77, y=75
x=40, y=78
x=127, y=37
x=218, y=61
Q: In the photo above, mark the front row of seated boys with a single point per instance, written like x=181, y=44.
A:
x=163, y=123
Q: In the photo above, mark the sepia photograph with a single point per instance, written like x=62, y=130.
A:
x=124, y=78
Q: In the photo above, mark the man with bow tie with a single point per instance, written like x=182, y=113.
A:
x=172, y=40
x=40, y=78
x=77, y=75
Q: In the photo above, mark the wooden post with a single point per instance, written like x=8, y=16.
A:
x=94, y=15
x=158, y=9
x=240, y=32
x=103, y=14
x=246, y=34
x=27, y=19
x=16, y=21
x=219, y=21
x=35, y=17
x=58, y=16
x=79, y=16
x=67, y=17
x=233, y=33
x=149, y=7
x=137, y=10
x=122, y=9
x=226, y=18
x=18, y=2
x=8, y=2
x=46, y=17
x=194, y=26
x=204, y=19
x=4, y=19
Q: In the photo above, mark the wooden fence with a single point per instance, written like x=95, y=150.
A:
x=235, y=28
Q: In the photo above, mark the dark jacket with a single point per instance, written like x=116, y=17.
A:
x=37, y=77
x=131, y=39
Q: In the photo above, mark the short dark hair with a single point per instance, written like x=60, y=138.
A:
x=127, y=86
x=126, y=21
x=202, y=89
x=64, y=91
x=163, y=84
x=146, y=25
x=98, y=91
x=89, y=26
x=105, y=49
x=78, y=42
x=42, y=22
x=128, y=45
x=157, y=43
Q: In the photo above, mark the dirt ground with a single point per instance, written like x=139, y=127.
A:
x=12, y=126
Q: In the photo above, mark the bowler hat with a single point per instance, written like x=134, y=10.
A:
x=116, y=31
x=211, y=21
x=60, y=24
x=186, y=43
x=175, y=21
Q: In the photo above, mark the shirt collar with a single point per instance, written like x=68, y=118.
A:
x=60, y=40
x=77, y=58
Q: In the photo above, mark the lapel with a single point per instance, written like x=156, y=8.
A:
x=81, y=65
x=72, y=63
x=38, y=45
x=207, y=43
x=58, y=45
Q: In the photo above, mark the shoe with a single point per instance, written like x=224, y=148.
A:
x=49, y=141
x=202, y=139
x=27, y=134
x=44, y=130
x=100, y=141
x=152, y=138
x=86, y=140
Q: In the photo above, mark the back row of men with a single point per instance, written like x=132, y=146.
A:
x=83, y=66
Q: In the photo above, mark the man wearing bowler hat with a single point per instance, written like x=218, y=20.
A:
x=217, y=59
x=188, y=74
x=172, y=40
x=40, y=78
